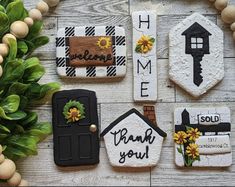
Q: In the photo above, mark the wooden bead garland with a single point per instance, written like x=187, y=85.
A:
x=6, y=37
x=8, y=171
x=19, y=29
x=29, y=21
x=228, y=14
x=43, y=7
x=4, y=49
x=35, y=14
x=221, y=4
x=52, y=3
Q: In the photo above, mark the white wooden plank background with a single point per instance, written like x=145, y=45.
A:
x=117, y=96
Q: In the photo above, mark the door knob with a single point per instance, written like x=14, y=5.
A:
x=93, y=128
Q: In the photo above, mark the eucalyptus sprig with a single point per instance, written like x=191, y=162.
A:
x=20, y=130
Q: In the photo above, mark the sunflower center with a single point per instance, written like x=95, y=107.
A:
x=103, y=42
x=145, y=42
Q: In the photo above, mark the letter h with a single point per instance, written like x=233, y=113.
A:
x=144, y=21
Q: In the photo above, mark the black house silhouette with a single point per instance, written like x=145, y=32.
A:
x=197, y=40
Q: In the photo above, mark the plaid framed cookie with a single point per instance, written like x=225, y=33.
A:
x=86, y=41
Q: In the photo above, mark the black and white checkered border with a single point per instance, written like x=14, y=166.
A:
x=119, y=52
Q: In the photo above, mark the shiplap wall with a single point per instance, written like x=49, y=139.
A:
x=117, y=96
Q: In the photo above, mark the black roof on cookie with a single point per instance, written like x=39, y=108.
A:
x=113, y=124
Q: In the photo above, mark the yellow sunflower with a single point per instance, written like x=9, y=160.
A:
x=144, y=44
x=193, y=134
x=104, y=42
x=73, y=114
x=180, y=137
x=192, y=150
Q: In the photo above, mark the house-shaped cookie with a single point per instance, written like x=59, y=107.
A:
x=133, y=140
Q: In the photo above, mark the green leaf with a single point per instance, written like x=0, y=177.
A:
x=138, y=49
x=3, y=114
x=10, y=104
x=15, y=11
x=13, y=116
x=4, y=3
x=40, y=130
x=40, y=41
x=20, y=146
x=179, y=150
x=14, y=153
x=23, y=102
x=17, y=115
x=17, y=88
x=13, y=49
x=152, y=40
x=4, y=129
x=31, y=62
x=33, y=74
x=30, y=119
x=4, y=23
x=2, y=9
x=13, y=71
x=34, y=30
x=22, y=48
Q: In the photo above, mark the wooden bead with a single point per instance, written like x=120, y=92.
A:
x=14, y=180
x=1, y=59
x=42, y=7
x=1, y=149
x=29, y=21
x=35, y=14
x=232, y=26
x=4, y=50
x=19, y=29
x=228, y=14
x=2, y=157
x=52, y=3
x=7, y=169
x=23, y=183
x=221, y=4
x=234, y=36
x=6, y=37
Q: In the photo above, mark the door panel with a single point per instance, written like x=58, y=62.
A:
x=74, y=143
x=85, y=152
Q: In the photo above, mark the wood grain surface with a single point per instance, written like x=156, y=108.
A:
x=118, y=96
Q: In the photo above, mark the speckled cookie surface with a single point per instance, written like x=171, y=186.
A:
x=196, y=54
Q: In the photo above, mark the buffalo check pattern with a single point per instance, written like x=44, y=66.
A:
x=118, y=69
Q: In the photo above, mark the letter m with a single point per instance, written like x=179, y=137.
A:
x=139, y=64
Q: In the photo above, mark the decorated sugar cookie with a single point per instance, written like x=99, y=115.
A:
x=133, y=140
x=75, y=128
x=144, y=56
x=91, y=52
x=202, y=137
x=196, y=54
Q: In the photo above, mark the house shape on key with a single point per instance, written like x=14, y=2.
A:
x=133, y=140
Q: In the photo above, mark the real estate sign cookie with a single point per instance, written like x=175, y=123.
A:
x=133, y=140
x=202, y=137
x=91, y=52
x=196, y=54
